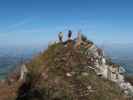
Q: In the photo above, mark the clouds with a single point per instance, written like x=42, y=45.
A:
x=18, y=24
x=14, y=28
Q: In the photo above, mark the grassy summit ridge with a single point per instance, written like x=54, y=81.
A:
x=61, y=73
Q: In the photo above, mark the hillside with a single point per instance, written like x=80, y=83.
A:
x=62, y=72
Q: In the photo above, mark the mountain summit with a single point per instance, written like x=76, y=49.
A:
x=75, y=69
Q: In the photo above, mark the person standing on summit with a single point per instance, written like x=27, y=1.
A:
x=79, y=40
x=69, y=34
x=69, y=41
x=60, y=35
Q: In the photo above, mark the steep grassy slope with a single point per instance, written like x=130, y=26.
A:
x=61, y=73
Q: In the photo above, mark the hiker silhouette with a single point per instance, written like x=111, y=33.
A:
x=69, y=34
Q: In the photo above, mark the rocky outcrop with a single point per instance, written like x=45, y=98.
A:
x=106, y=69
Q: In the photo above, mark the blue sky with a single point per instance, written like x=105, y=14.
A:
x=36, y=22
